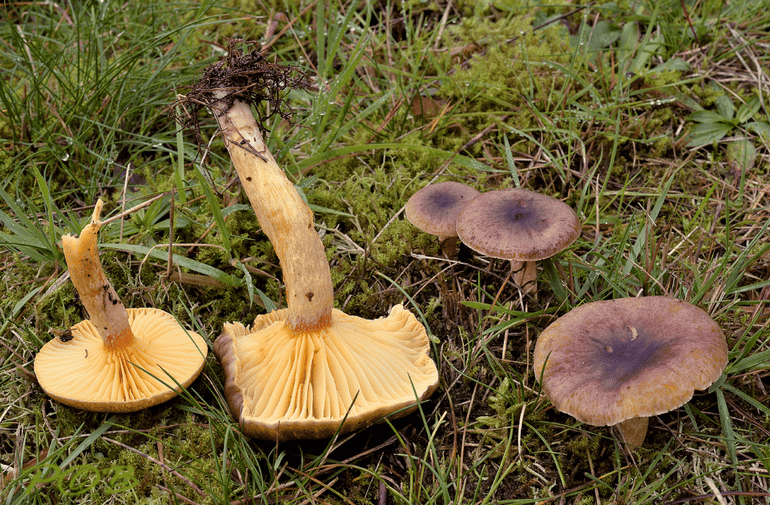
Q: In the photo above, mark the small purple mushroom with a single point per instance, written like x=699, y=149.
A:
x=434, y=210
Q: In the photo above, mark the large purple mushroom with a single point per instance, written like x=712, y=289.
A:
x=619, y=362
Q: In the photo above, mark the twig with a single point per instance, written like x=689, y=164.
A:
x=133, y=209
x=689, y=22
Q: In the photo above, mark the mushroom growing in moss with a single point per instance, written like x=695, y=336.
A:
x=518, y=225
x=619, y=362
x=119, y=360
x=434, y=209
x=309, y=370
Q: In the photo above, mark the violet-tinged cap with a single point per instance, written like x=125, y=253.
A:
x=517, y=224
x=609, y=361
x=434, y=208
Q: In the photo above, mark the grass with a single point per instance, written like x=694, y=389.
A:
x=600, y=105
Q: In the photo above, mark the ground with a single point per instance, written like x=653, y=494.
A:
x=648, y=119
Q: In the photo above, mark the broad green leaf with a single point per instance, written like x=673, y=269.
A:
x=760, y=128
x=676, y=64
x=742, y=153
x=647, y=49
x=725, y=107
x=706, y=116
x=604, y=35
x=629, y=38
x=747, y=110
x=707, y=133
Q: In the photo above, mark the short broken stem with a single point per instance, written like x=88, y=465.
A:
x=105, y=310
x=285, y=218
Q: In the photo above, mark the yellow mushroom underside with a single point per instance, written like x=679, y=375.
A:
x=297, y=372
x=86, y=374
x=303, y=385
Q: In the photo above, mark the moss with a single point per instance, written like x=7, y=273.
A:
x=187, y=449
x=513, y=59
x=6, y=162
x=59, y=310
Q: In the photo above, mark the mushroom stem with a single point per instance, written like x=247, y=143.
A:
x=524, y=274
x=285, y=218
x=105, y=310
x=449, y=247
x=633, y=430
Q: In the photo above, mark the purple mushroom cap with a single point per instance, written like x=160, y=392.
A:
x=610, y=361
x=517, y=224
x=434, y=208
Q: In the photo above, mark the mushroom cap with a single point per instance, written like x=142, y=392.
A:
x=282, y=385
x=517, y=224
x=609, y=361
x=434, y=208
x=83, y=373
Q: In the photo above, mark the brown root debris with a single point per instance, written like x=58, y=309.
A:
x=250, y=78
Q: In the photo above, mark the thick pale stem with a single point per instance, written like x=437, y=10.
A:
x=524, y=275
x=634, y=430
x=285, y=218
x=449, y=247
x=105, y=309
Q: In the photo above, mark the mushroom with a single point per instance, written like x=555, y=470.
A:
x=119, y=360
x=434, y=209
x=308, y=370
x=518, y=225
x=619, y=362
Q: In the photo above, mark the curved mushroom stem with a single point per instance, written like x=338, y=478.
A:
x=633, y=430
x=285, y=218
x=105, y=310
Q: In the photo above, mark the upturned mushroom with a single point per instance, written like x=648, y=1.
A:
x=619, y=362
x=518, y=225
x=309, y=370
x=119, y=360
x=434, y=210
